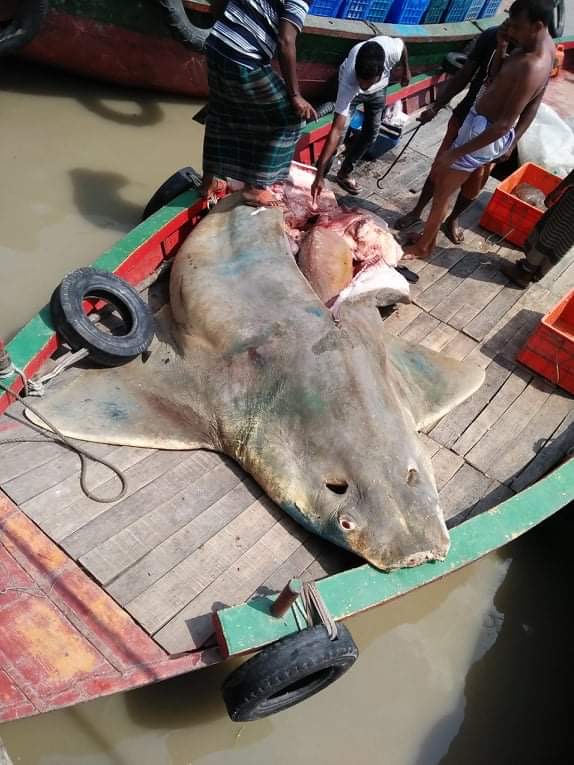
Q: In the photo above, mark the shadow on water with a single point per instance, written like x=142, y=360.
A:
x=517, y=696
x=97, y=197
x=135, y=108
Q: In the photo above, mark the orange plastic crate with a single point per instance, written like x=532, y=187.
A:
x=508, y=215
x=550, y=349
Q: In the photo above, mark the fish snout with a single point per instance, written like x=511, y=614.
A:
x=405, y=549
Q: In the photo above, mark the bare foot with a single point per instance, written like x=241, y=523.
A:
x=212, y=188
x=406, y=221
x=453, y=231
x=413, y=250
x=259, y=198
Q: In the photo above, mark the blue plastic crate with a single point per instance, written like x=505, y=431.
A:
x=489, y=9
x=354, y=9
x=463, y=10
x=407, y=11
x=435, y=11
x=325, y=7
x=379, y=10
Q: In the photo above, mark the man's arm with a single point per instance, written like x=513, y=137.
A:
x=288, y=63
x=328, y=150
x=406, y=77
x=524, y=122
x=453, y=87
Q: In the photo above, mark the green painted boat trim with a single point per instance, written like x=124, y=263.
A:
x=249, y=626
x=34, y=336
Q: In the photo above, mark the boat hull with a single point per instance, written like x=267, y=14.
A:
x=105, y=42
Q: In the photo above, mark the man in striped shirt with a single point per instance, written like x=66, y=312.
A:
x=254, y=116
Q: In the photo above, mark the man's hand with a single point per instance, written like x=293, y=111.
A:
x=506, y=156
x=501, y=37
x=428, y=115
x=316, y=189
x=303, y=108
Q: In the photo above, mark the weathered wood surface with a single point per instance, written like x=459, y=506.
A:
x=194, y=532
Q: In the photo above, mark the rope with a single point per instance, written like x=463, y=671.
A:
x=314, y=604
x=57, y=435
x=38, y=387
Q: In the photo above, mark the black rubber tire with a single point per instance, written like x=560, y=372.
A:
x=79, y=332
x=178, y=21
x=184, y=179
x=324, y=109
x=288, y=672
x=453, y=62
x=24, y=26
x=556, y=28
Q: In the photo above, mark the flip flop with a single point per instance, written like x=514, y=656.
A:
x=349, y=185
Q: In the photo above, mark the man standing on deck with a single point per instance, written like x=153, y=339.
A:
x=363, y=79
x=488, y=132
x=485, y=58
x=254, y=117
x=551, y=239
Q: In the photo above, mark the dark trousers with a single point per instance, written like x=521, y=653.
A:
x=374, y=108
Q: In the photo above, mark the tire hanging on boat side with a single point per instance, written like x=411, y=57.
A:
x=179, y=22
x=287, y=672
x=24, y=26
x=182, y=180
x=556, y=27
x=71, y=321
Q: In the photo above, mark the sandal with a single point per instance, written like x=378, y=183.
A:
x=349, y=184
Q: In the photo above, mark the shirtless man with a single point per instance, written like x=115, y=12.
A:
x=489, y=129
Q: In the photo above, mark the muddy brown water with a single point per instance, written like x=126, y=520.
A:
x=476, y=668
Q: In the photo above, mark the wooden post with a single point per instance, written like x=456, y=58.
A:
x=6, y=367
x=286, y=598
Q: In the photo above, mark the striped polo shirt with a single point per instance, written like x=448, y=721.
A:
x=247, y=32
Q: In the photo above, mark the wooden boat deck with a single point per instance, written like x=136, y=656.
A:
x=195, y=533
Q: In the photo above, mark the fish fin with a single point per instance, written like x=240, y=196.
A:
x=133, y=405
x=432, y=383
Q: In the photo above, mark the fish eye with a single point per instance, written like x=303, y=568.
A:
x=412, y=476
x=346, y=522
x=337, y=487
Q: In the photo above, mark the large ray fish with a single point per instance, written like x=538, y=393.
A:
x=249, y=362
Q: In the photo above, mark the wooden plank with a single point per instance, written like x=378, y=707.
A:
x=459, y=347
x=553, y=452
x=464, y=489
x=489, y=416
x=420, y=328
x=494, y=495
x=453, y=425
x=249, y=626
x=492, y=313
x=186, y=526
x=193, y=625
x=439, y=337
x=445, y=464
x=157, y=605
x=400, y=319
x=20, y=459
x=48, y=505
x=69, y=519
x=510, y=426
x=448, y=282
x=470, y=297
x=434, y=269
x=293, y=567
x=150, y=496
x=44, y=476
x=520, y=451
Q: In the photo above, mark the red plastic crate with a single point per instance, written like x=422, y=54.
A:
x=508, y=215
x=550, y=349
